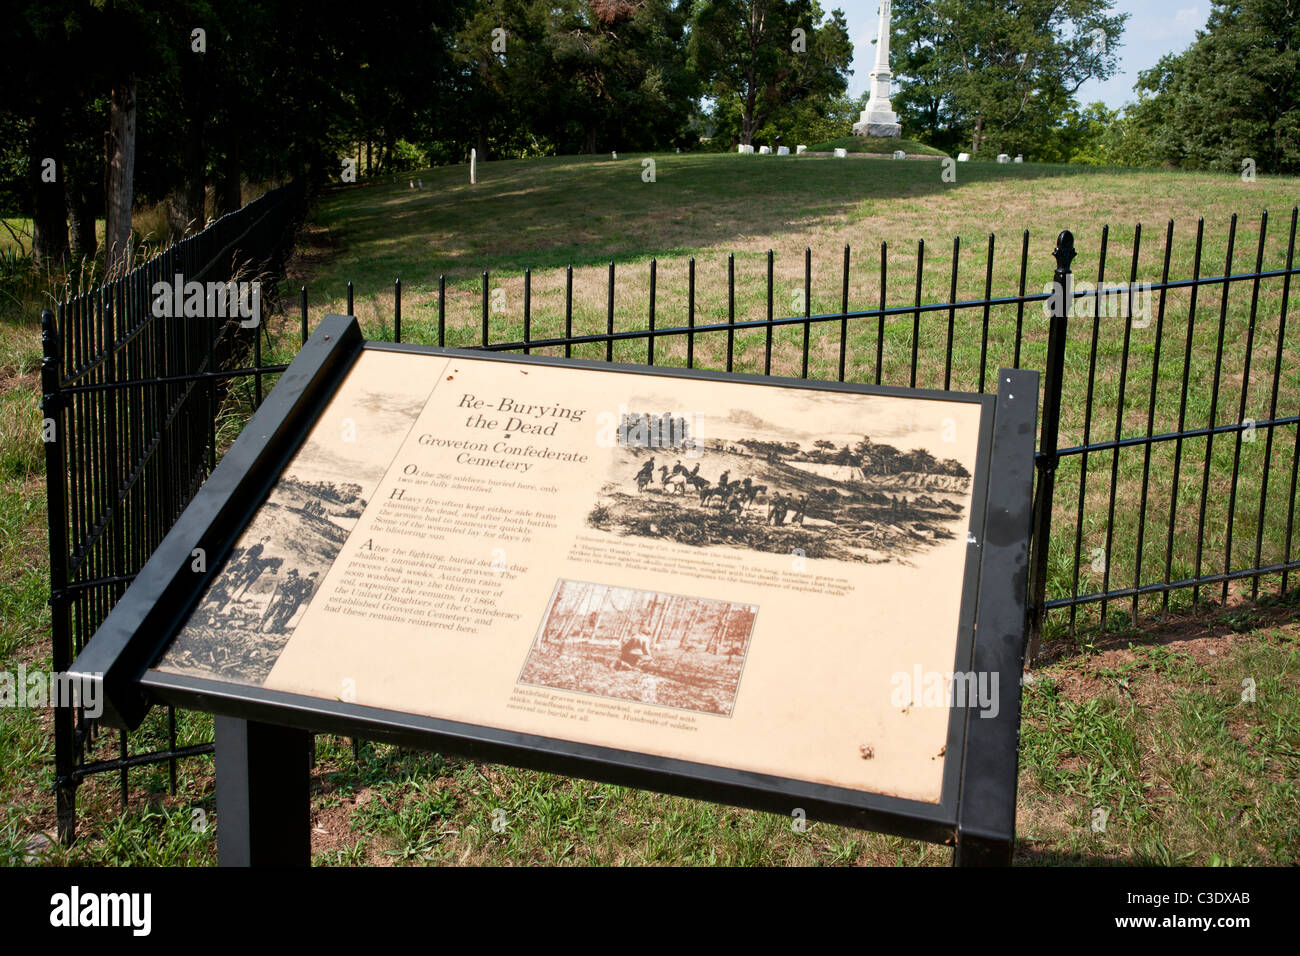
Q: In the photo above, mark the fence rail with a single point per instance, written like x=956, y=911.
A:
x=1152, y=478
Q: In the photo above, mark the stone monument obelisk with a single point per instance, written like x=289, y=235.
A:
x=878, y=119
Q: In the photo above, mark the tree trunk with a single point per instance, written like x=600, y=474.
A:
x=977, y=137
x=390, y=149
x=195, y=191
x=227, y=195
x=49, y=211
x=119, y=190
x=747, y=120
x=81, y=216
x=186, y=210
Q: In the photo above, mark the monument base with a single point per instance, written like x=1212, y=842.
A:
x=882, y=130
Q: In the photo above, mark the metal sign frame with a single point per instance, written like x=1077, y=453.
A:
x=263, y=736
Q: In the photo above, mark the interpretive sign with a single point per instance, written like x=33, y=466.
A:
x=750, y=589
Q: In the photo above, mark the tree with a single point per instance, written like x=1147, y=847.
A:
x=41, y=93
x=1233, y=94
x=995, y=74
x=763, y=57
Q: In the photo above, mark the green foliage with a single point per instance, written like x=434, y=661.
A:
x=772, y=67
x=1099, y=136
x=535, y=77
x=1234, y=94
x=991, y=77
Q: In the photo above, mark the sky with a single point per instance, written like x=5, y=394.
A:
x=1154, y=28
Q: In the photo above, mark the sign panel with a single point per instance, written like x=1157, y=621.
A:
x=708, y=569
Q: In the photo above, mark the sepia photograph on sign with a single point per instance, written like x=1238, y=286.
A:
x=644, y=646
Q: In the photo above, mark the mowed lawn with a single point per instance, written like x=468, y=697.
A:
x=1157, y=735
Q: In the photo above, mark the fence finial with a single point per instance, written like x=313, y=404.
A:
x=1064, y=252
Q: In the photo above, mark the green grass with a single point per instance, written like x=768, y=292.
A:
x=1184, y=769
x=1126, y=731
x=876, y=144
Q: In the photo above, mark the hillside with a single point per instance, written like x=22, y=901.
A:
x=876, y=144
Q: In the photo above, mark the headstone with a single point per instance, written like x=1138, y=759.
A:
x=473, y=166
x=765, y=150
x=800, y=150
x=899, y=154
x=783, y=151
x=1019, y=159
x=745, y=150
x=963, y=157
x=879, y=118
x=614, y=153
x=419, y=184
x=1003, y=158
x=411, y=183
x=841, y=153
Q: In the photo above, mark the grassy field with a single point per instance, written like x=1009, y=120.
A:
x=1156, y=734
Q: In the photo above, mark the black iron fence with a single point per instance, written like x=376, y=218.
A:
x=131, y=398
x=1168, y=454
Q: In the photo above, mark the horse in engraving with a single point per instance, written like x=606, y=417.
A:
x=672, y=483
x=645, y=475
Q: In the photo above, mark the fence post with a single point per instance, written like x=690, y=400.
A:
x=65, y=727
x=1061, y=299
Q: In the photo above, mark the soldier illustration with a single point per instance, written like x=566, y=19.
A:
x=779, y=509
x=634, y=652
x=248, y=568
x=291, y=594
x=800, y=511
x=645, y=475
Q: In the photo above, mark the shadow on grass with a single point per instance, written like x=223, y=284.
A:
x=1207, y=620
x=549, y=213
